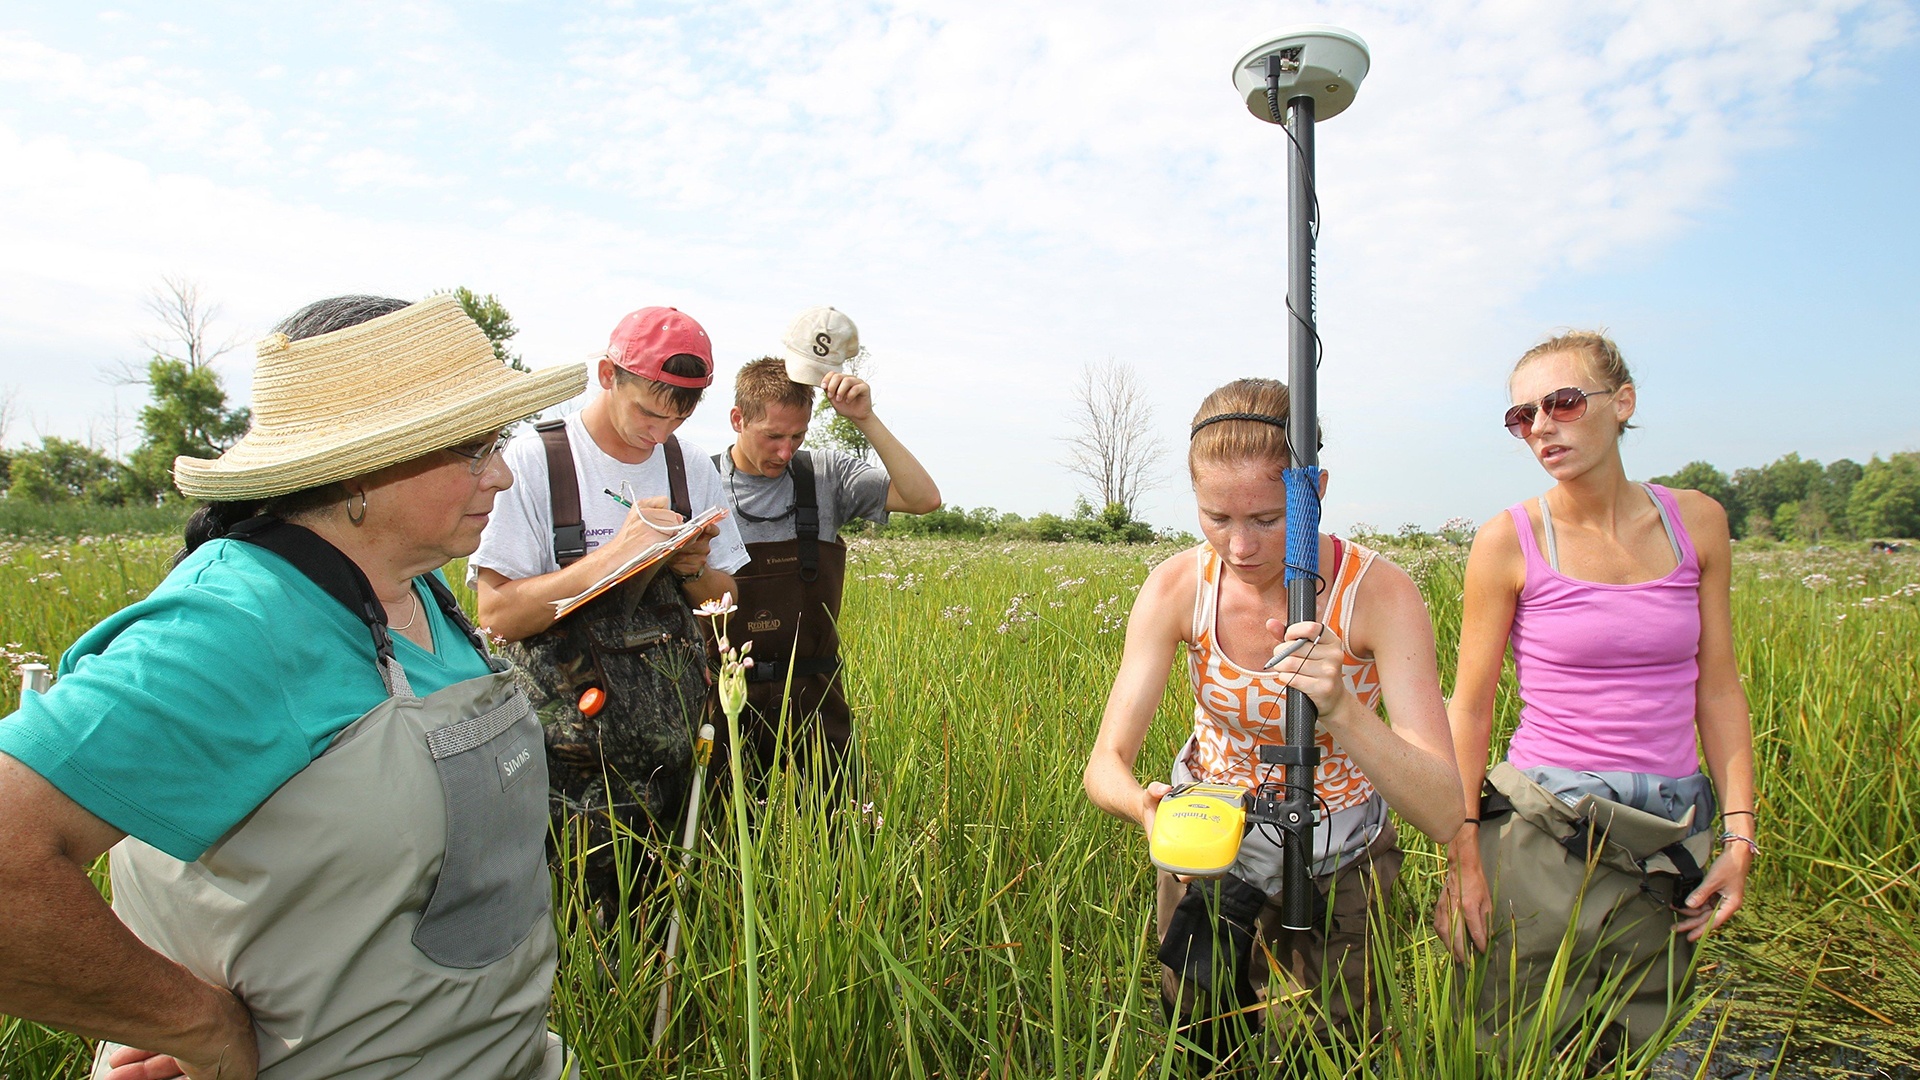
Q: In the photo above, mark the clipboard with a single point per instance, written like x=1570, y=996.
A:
x=647, y=561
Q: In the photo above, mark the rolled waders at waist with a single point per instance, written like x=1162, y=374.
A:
x=789, y=600
x=386, y=910
x=1619, y=869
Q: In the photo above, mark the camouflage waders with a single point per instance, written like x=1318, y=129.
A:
x=639, y=644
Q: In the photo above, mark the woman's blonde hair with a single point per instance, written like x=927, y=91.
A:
x=1596, y=351
x=1238, y=438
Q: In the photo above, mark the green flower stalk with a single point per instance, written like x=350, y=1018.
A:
x=733, y=699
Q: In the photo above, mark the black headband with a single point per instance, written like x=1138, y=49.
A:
x=1261, y=417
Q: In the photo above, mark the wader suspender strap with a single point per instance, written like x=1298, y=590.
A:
x=1689, y=875
x=563, y=489
x=563, y=492
x=806, y=515
x=677, y=479
x=805, y=509
x=341, y=578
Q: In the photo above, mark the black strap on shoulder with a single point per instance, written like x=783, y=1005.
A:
x=327, y=566
x=677, y=479
x=341, y=578
x=450, y=607
x=563, y=493
x=806, y=514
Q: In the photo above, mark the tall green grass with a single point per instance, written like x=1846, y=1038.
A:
x=25, y=518
x=970, y=915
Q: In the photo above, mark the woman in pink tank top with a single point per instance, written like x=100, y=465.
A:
x=1614, y=599
x=1225, y=602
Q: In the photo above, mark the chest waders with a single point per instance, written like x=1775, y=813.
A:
x=790, y=609
x=1601, y=876
x=385, y=912
x=625, y=766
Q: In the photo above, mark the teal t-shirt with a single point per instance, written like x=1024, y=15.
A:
x=177, y=716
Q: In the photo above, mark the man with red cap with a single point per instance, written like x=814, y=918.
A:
x=620, y=685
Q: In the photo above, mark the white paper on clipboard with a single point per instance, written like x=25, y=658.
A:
x=677, y=537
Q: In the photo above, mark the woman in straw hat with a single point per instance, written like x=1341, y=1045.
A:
x=326, y=805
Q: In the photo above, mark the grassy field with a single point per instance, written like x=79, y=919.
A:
x=975, y=917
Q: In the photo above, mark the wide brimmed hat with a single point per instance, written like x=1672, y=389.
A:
x=818, y=343
x=387, y=390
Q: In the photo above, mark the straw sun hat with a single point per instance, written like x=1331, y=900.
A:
x=388, y=390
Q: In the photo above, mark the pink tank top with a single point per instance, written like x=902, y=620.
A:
x=1608, y=672
x=1236, y=712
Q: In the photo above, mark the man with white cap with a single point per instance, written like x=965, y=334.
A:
x=790, y=504
x=620, y=685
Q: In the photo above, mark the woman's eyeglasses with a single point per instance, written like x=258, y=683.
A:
x=1565, y=405
x=479, y=453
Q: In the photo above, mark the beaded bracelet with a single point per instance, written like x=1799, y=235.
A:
x=1726, y=838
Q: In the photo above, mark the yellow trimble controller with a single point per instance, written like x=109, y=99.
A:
x=1197, y=829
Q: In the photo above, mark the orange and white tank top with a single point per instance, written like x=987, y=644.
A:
x=1236, y=712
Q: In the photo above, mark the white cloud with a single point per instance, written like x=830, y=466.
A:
x=369, y=167
x=997, y=192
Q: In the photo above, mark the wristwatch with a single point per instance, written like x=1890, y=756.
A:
x=687, y=579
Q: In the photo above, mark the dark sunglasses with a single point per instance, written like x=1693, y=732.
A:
x=1565, y=405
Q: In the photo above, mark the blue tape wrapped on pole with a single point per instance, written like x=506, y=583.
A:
x=1303, y=523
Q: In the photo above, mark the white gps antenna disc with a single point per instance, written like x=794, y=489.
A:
x=1325, y=63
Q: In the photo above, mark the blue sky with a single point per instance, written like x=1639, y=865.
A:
x=999, y=194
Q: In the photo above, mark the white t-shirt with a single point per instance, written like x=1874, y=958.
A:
x=518, y=542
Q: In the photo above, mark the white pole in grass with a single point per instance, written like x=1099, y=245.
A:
x=34, y=678
x=1288, y=78
x=702, y=753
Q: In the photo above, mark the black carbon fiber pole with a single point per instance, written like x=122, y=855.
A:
x=1302, y=359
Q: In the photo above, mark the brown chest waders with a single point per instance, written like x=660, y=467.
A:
x=790, y=609
x=630, y=761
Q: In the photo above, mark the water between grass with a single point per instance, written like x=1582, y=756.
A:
x=974, y=917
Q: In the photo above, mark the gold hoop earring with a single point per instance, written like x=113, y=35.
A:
x=360, y=517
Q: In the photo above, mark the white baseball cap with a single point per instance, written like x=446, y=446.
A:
x=820, y=341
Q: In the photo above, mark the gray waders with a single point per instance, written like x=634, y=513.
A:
x=1622, y=868
x=385, y=912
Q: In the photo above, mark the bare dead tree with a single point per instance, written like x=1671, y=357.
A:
x=9, y=410
x=186, y=318
x=1113, y=445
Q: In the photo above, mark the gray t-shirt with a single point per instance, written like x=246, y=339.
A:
x=518, y=542
x=848, y=488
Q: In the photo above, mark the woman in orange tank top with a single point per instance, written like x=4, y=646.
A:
x=1225, y=601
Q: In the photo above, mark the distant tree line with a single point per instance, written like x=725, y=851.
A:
x=1112, y=525
x=1801, y=499
x=187, y=414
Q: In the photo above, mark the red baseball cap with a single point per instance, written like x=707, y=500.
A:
x=646, y=339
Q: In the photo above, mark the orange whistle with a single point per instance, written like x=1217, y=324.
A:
x=592, y=701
